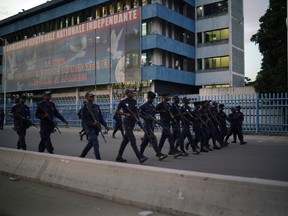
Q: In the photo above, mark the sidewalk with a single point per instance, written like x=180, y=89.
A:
x=23, y=198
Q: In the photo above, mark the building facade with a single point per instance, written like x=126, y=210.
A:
x=170, y=46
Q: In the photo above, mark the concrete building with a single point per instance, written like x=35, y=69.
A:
x=160, y=45
x=220, y=43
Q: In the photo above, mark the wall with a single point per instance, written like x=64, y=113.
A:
x=174, y=192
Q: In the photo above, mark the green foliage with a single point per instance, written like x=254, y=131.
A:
x=272, y=41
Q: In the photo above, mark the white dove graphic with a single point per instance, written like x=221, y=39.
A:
x=31, y=63
x=115, y=54
x=78, y=48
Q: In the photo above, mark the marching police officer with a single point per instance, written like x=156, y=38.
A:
x=187, y=121
x=147, y=112
x=164, y=108
x=201, y=116
x=232, y=130
x=128, y=108
x=46, y=111
x=178, y=118
x=21, y=114
x=240, y=119
x=222, y=122
x=91, y=117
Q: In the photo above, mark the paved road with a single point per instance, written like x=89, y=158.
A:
x=264, y=157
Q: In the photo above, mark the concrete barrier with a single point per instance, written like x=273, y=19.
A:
x=169, y=191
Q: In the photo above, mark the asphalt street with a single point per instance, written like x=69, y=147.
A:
x=264, y=157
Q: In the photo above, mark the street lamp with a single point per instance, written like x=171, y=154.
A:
x=4, y=74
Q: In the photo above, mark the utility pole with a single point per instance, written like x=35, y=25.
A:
x=4, y=75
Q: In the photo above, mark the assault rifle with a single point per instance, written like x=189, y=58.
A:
x=96, y=122
x=136, y=118
x=183, y=118
x=27, y=122
x=48, y=119
x=169, y=112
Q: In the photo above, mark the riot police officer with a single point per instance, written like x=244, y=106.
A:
x=128, y=108
x=91, y=117
x=46, y=111
x=147, y=112
x=21, y=114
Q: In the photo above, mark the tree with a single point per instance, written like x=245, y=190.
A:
x=272, y=41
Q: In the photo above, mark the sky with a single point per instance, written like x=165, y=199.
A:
x=253, y=10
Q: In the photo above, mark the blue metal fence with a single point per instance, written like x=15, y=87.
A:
x=264, y=113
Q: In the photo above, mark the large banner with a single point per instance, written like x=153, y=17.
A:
x=101, y=51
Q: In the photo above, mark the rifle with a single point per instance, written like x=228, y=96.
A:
x=50, y=121
x=170, y=113
x=136, y=119
x=97, y=122
x=149, y=116
x=27, y=122
x=156, y=121
x=183, y=118
x=191, y=116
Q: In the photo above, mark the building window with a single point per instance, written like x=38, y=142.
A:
x=199, y=64
x=199, y=11
x=216, y=35
x=111, y=9
x=199, y=37
x=104, y=11
x=144, y=28
x=119, y=7
x=215, y=8
x=217, y=62
x=143, y=59
x=97, y=13
x=135, y=3
x=127, y=5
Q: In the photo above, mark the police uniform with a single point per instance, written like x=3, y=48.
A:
x=91, y=117
x=201, y=116
x=118, y=125
x=129, y=109
x=46, y=111
x=21, y=113
x=222, y=122
x=213, y=124
x=177, y=133
x=240, y=119
x=187, y=121
x=163, y=108
x=232, y=130
x=82, y=132
x=147, y=112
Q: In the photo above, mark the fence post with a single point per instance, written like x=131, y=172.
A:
x=257, y=112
